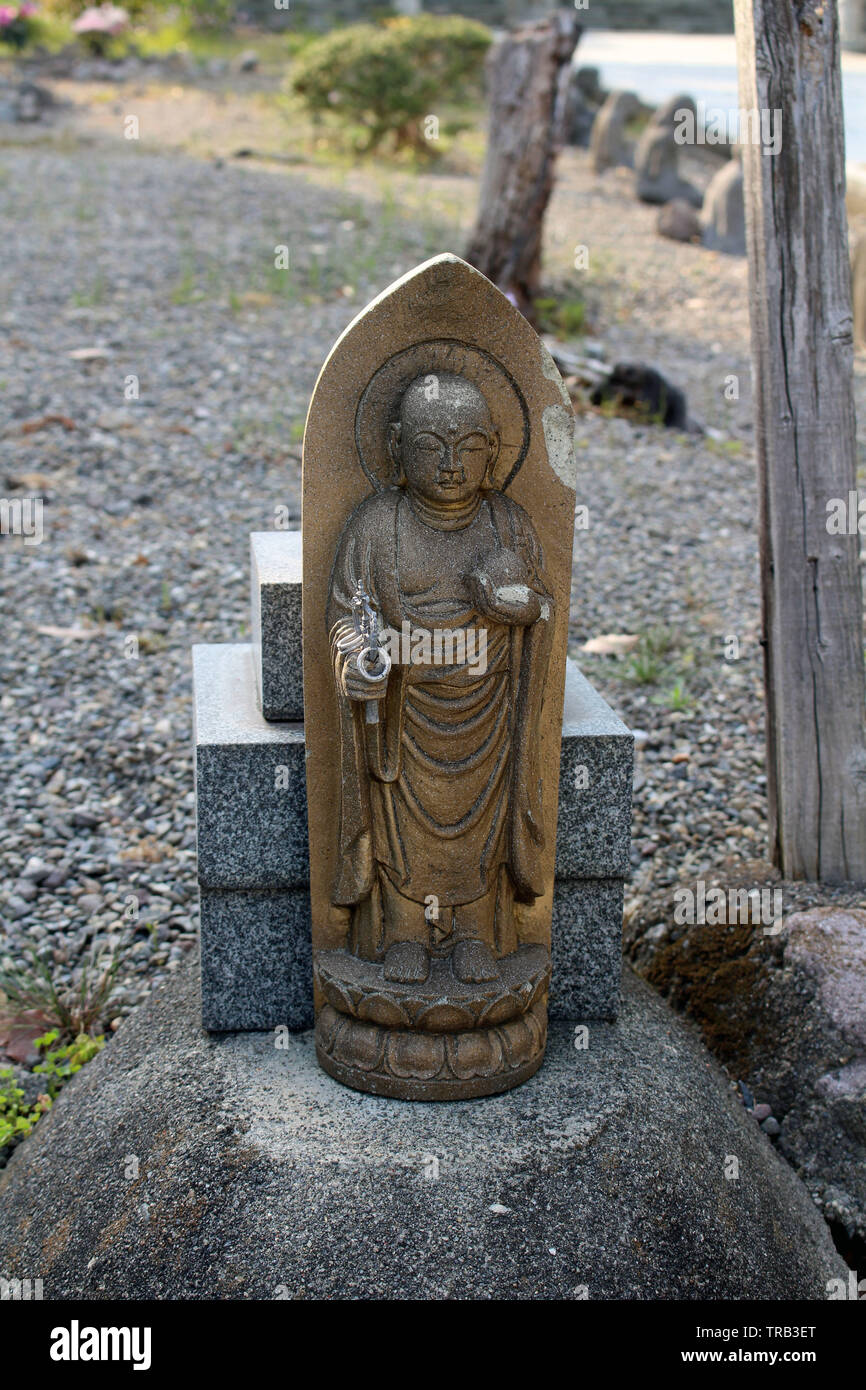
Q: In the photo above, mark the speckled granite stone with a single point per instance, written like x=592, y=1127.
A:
x=275, y=601
x=250, y=780
x=586, y=948
x=593, y=836
x=256, y=960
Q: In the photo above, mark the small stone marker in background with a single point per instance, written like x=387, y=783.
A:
x=608, y=145
x=724, y=211
x=656, y=169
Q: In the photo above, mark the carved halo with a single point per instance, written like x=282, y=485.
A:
x=380, y=404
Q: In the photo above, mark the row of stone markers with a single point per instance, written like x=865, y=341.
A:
x=253, y=853
x=715, y=217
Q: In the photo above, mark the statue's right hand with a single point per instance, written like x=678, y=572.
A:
x=357, y=687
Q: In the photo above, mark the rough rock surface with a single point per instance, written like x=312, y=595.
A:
x=181, y=1166
x=787, y=1013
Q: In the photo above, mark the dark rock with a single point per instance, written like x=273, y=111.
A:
x=669, y=115
x=634, y=387
x=788, y=1011
x=32, y=101
x=608, y=142
x=679, y=221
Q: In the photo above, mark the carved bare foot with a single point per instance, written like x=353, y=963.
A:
x=473, y=963
x=407, y=963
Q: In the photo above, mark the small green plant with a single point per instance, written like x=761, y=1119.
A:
x=186, y=290
x=17, y=1119
x=677, y=698
x=566, y=318
x=384, y=80
x=74, y=1008
x=645, y=667
x=62, y=1062
x=57, y=1066
x=94, y=296
x=648, y=663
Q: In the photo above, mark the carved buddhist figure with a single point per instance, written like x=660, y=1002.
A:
x=432, y=805
x=440, y=822
x=440, y=819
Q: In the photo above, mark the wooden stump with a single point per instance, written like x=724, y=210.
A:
x=800, y=291
x=528, y=81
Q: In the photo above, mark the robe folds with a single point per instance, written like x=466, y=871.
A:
x=441, y=795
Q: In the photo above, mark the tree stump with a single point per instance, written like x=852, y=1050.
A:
x=528, y=75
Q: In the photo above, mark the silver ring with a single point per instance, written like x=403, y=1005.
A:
x=381, y=657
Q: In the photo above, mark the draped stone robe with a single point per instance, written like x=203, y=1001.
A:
x=440, y=798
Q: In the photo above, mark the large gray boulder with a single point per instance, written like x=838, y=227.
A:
x=814, y=1076
x=178, y=1165
x=786, y=1012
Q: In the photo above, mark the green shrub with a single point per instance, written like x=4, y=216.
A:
x=387, y=78
x=209, y=14
x=566, y=318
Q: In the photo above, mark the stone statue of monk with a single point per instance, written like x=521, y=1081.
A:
x=439, y=819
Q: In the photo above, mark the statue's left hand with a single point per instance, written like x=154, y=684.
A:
x=501, y=588
x=509, y=602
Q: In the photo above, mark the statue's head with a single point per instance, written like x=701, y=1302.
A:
x=444, y=445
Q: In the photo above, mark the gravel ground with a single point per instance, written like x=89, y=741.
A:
x=123, y=262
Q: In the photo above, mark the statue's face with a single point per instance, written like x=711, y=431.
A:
x=446, y=439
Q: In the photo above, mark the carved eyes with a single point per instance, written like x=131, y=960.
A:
x=430, y=445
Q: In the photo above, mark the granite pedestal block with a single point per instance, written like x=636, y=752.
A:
x=275, y=601
x=586, y=948
x=256, y=960
x=253, y=852
x=251, y=794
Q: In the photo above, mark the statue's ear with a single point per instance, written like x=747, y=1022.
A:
x=395, y=439
x=493, y=455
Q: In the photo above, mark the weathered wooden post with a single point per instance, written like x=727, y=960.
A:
x=800, y=291
x=528, y=83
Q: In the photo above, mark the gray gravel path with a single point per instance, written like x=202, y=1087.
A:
x=161, y=266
